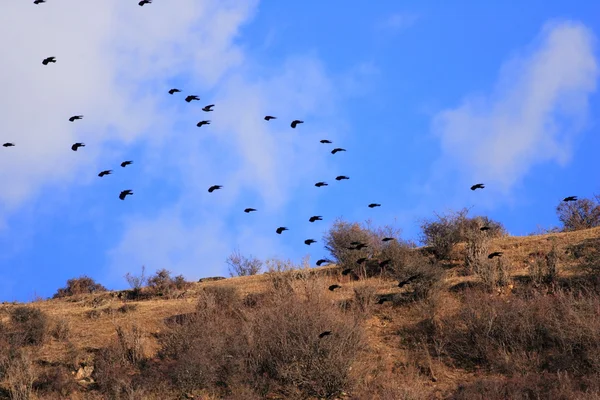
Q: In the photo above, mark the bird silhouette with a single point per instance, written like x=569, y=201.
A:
x=408, y=280
x=484, y=228
x=39, y=1
x=308, y=242
x=570, y=198
x=323, y=334
x=126, y=163
x=319, y=184
x=322, y=261
x=205, y=122
x=125, y=193
x=333, y=287
x=315, y=218
x=361, y=260
x=192, y=97
x=478, y=186
x=174, y=90
x=373, y=205
x=269, y=117
x=49, y=60
x=337, y=149
x=495, y=254
x=249, y=210
x=213, y=188
x=385, y=263
x=281, y=229
x=105, y=172
x=76, y=146
x=387, y=239
x=75, y=117
x=208, y=108
x=341, y=177
x=141, y=3
x=383, y=300
x=295, y=123
x=8, y=144
x=326, y=141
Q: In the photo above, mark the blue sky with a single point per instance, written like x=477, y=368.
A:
x=426, y=97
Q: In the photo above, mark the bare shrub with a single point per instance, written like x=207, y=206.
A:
x=55, y=381
x=543, y=268
x=30, y=325
x=339, y=238
x=136, y=282
x=82, y=285
x=579, y=214
x=476, y=250
x=427, y=276
x=112, y=374
x=130, y=343
x=61, y=329
x=162, y=284
x=20, y=375
x=493, y=274
x=240, y=265
x=364, y=298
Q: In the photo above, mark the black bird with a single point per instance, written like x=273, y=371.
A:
x=105, y=172
x=308, y=242
x=126, y=163
x=385, y=263
x=361, y=260
x=76, y=146
x=8, y=144
x=323, y=334
x=192, y=97
x=281, y=229
x=373, y=205
x=213, y=188
x=269, y=117
x=319, y=184
x=341, y=177
x=408, y=280
x=570, y=198
x=333, y=287
x=346, y=271
x=249, y=210
x=478, y=186
x=74, y=117
x=205, y=122
x=141, y=3
x=295, y=123
x=124, y=194
x=495, y=254
x=323, y=261
x=208, y=108
x=387, y=239
x=174, y=90
x=337, y=149
x=355, y=243
x=484, y=228
x=361, y=246
x=315, y=218
x=383, y=300
x=49, y=60
x=39, y=1
x=325, y=141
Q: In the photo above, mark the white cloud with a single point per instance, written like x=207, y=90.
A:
x=537, y=108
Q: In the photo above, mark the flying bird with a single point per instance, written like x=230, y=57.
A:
x=387, y=239
x=341, y=177
x=478, y=186
x=75, y=117
x=355, y=243
x=76, y=146
x=295, y=123
x=124, y=194
x=213, y=188
x=105, y=172
x=205, y=122
x=319, y=184
x=361, y=260
x=249, y=210
x=323, y=261
x=383, y=300
x=408, y=280
x=373, y=205
x=337, y=149
x=281, y=229
x=174, y=90
x=192, y=97
x=484, y=228
x=315, y=218
x=208, y=108
x=333, y=287
x=346, y=271
x=308, y=242
x=323, y=334
x=326, y=141
x=495, y=254
x=570, y=198
x=39, y=1
x=126, y=163
x=269, y=117
x=8, y=144
x=141, y=3
x=49, y=60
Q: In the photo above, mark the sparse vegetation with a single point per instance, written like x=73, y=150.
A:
x=82, y=285
x=579, y=214
x=240, y=265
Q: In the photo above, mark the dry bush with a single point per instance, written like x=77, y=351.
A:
x=579, y=214
x=55, y=381
x=476, y=250
x=240, y=265
x=19, y=374
x=493, y=274
x=364, y=298
x=447, y=230
x=82, y=285
x=404, y=382
x=543, y=268
x=163, y=285
x=136, y=282
x=429, y=276
x=61, y=329
x=29, y=326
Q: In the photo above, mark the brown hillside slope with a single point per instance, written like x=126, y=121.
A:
x=92, y=319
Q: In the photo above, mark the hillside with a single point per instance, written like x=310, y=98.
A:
x=410, y=352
